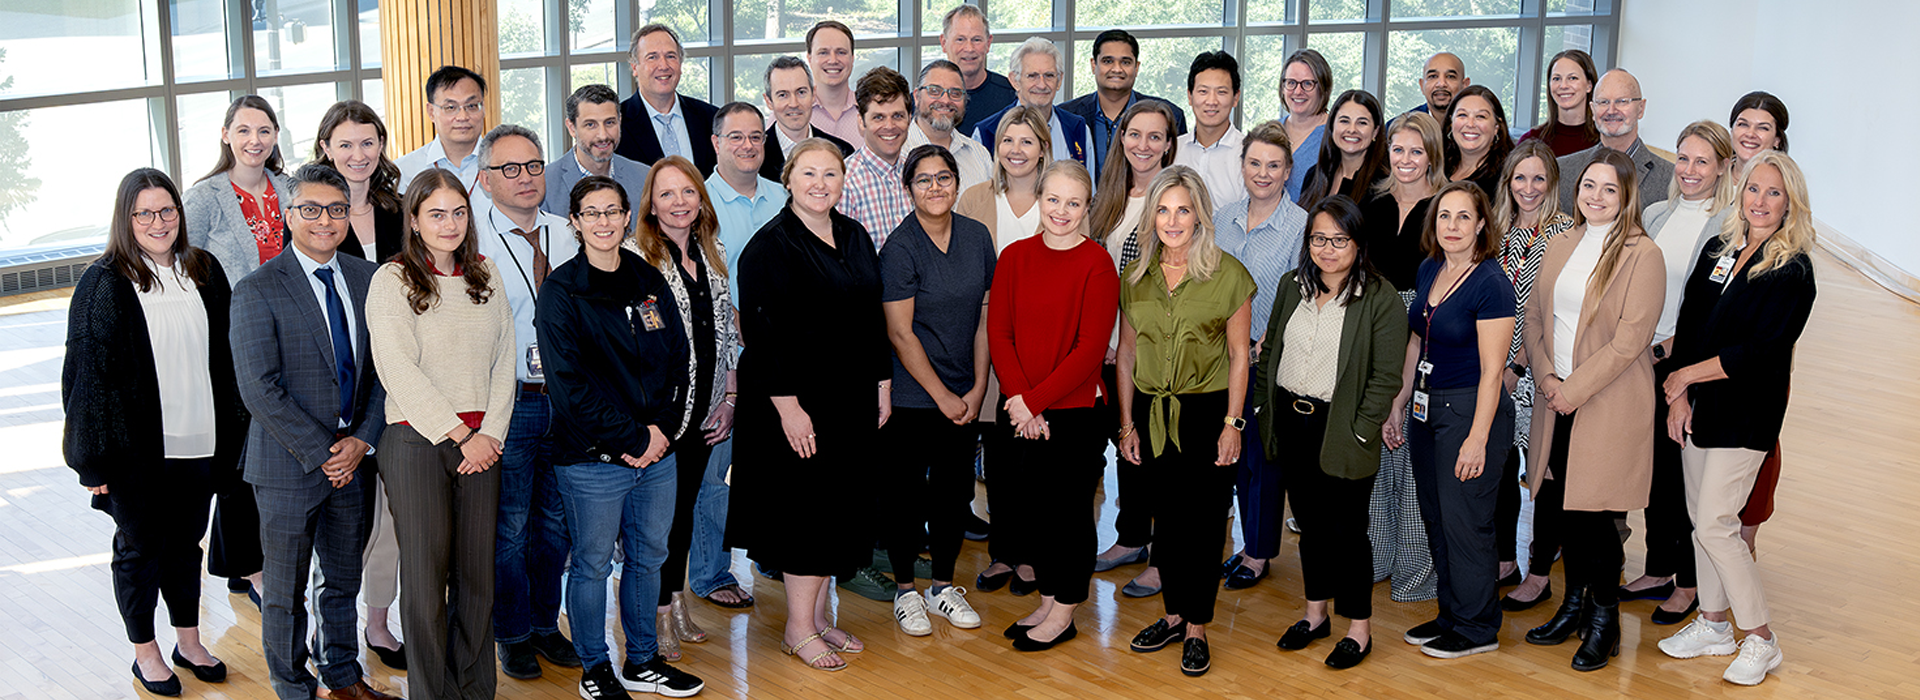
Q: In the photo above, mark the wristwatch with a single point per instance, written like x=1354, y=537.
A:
x=1659, y=352
x=1236, y=422
x=1519, y=370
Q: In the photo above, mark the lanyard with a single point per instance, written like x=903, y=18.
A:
x=532, y=291
x=1526, y=249
x=1424, y=368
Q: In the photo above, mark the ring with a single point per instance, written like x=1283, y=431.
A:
x=809, y=436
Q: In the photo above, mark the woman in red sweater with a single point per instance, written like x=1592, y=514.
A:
x=1050, y=311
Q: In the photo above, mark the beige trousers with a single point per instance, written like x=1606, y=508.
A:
x=1718, y=483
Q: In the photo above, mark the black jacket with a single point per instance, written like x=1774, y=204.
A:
x=111, y=390
x=610, y=377
x=770, y=168
x=1751, y=326
x=388, y=235
x=639, y=142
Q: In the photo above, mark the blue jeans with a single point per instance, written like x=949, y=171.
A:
x=530, y=544
x=606, y=502
x=709, y=562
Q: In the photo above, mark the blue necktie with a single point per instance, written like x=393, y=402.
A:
x=342, y=343
x=669, y=142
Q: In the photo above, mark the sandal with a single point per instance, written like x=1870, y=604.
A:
x=814, y=661
x=845, y=647
x=740, y=597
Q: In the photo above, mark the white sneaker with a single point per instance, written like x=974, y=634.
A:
x=951, y=603
x=1699, y=639
x=1757, y=657
x=911, y=611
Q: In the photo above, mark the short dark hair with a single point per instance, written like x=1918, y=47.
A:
x=828, y=24
x=784, y=63
x=1765, y=102
x=732, y=108
x=313, y=174
x=1113, y=35
x=449, y=76
x=938, y=64
x=923, y=152
x=880, y=85
x=1214, y=60
x=592, y=94
x=1485, y=245
x=1347, y=217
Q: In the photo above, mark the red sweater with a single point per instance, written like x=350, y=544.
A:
x=1048, y=320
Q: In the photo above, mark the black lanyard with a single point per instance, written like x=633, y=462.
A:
x=532, y=291
x=1431, y=309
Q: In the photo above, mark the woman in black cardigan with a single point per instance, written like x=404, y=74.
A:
x=154, y=418
x=1746, y=304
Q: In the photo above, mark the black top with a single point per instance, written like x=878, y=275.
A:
x=639, y=142
x=777, y=159
x=1395, y=247
x=947, y=289
x=615, y=356
x=1751, y=325
x=706, y=354
x=1454, y=346
x=813, y=309
x=389, y=232
x=993, y=95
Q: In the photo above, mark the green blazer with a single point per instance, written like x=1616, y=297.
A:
x=1373, y=352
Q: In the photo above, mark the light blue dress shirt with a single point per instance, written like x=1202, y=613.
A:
x=1269, y=251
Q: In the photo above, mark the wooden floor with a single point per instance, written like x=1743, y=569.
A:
x=1839, y=562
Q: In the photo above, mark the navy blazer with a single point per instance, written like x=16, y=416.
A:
x=639, y=142
x=283, y=359
x=775, y=161
x=1086, y=106
x=1072, y=128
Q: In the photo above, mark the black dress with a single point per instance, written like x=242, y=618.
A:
x=1393, y=246
x=811, y=324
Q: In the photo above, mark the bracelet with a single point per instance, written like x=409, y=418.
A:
x=729, y=404
x=1126, y=430
x=463, y=441
x=731, y=395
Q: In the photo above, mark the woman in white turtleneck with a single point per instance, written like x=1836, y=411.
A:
x=1696, y=208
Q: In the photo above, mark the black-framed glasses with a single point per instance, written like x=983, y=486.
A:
x=145, y=217
x=1338, y=242
x=1292, y=84
x=512, y=170
x=592, y=216
x=943, y=179
x=312, y=212
x=935, y=91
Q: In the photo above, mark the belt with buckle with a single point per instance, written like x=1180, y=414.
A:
x=533, y=388
x=1307, y=406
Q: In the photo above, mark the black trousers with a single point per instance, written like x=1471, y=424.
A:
x=1506, y=506
x=929, y=487
x=234, y=551
x=1459, y=514
x=1190, y=498
x=996, y=458
x=445, y=526
x=690, y=469
x=1592, y=542
x=156, y=544
x=1336, y=558
x=1134, y=521
x=1669, y=527
x=1548, y=509
x=1043, y=496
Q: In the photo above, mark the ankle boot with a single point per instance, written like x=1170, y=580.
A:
x=1603, y=639
x=683, y=626
x=1572, y=614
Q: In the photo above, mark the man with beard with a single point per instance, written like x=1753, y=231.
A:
x=941, y=105
x=1443, y=77
x=1115, y=65
x=1617, y=109
x=593, y=121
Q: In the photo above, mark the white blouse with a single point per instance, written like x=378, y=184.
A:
x=1679, y=241
x=1011, y=227
x=1570, y=290
x=1129, y=220
x=177, y=326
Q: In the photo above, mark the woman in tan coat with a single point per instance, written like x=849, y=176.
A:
x=1595, y=306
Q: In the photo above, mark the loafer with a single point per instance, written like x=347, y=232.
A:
x=1453, y=645
x=1423, y=633
x=1026, y=642
x=395, y=659
x=1195, y=658
x=1512, y=604
x=556, y=648
x=988, y=583
x=1233, y=562
x=1020, y=586
x=1139, y=556
x=517, y=660
x=1509, y=580
x=217, y=673
x=869, y=583
x=1243, y=577
x=1660, y=592
x=976, y=529
x=358, y=691
x=1134, y=589
x=1348, y=654
x=1301, y=634
x=169, y=687
x=1662, y=617
x=1157, y=636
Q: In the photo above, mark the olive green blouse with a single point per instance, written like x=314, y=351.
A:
x=1180, y=345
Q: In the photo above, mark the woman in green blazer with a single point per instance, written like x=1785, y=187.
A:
x=1325, y=382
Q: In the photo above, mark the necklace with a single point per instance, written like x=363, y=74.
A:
x=1175, y=266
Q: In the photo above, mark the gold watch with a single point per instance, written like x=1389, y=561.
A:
x=1237, y=423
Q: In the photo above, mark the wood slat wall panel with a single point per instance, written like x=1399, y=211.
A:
x=419, y=36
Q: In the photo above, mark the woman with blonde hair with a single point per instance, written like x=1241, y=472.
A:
x=1746, y=304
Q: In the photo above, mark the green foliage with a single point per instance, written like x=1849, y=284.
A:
x=1491, y=56
x=17, y=189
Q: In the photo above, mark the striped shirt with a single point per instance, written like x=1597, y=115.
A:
x=1269, y=251
x=874, y=195
x=1520, y=255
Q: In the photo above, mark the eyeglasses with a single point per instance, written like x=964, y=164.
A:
x=471, y=108
x=737, y=139
x=943, y=179
x=1292, y=84
x=1049, y=76
x=311, y=212
x=1622, y=103
x=595, y=215
x=1338, y=242
x=935, y=91
x=512, y=170
x=146, y=217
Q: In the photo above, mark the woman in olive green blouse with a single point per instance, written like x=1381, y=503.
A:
x=1185, y=320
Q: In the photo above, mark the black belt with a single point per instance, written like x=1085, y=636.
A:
x=1305, y=405
x=533, y=388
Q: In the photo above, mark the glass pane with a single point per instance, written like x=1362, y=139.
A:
x=696, y=78
x=523, y=99
x=299, y=108
x=1403, y=9
x=608, y=74
x=48, y=196
x=1337, y=10
x=1576, y=7
x=590, y=25
x=790, y=19
x=750, y=77
x=374, y=93
x=1271, y=11
x=199, y=132
x=1163, y=69
x=200, y=39
x=1113, y=13
x=1556, y=40
x=931, y=12
x=1006, y=16
x=370, y=33
x=523, y=28
x=294, y=35
x=1490, y=55
x=110, y=33
x=688, y=18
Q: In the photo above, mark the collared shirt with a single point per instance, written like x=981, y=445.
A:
x=675, y=120
x=513, y=257
x=742, y=216
x=434, y=155
x=563, y=175
x=1311, y=364
x=976, y=164
x=307, y=267
x=786, y=142
x=1181, y=341
x=874, y=195
x=1102, y=128
x=1219, y=164
x=1061, y=149
x=1269, y=250
x=845, y=125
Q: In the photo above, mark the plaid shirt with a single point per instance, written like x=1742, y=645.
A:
x=874, y=195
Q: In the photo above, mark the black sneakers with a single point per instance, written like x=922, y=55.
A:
x=599, y=683
x=557, y=648
x=657, y=676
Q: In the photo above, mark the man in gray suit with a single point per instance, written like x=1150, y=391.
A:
x=1617, y=109
x=593, y=122
x=305, y=372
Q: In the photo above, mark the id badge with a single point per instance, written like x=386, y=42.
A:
x=1721, y=270
x=1420, y=406
x=534, y=369
x=649, y=312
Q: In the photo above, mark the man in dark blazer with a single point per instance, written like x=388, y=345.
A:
x=1619, y=125
x=1115, y=65
x=306, y=373
x=789, y=98
x=656, y=105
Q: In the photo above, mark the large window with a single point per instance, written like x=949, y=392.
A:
x=156, y=75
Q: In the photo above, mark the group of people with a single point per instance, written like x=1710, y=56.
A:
x=359, y=364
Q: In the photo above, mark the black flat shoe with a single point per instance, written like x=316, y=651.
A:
x=1660, y=592
x=988, y=583
x=236, y=586
x=169, y=687
x=1016, y=631
x=1348, y=654
x=395, y=659
x=1512, y=604
x=1662, y=617
x=1507, y=581
x=1026, y=642
x=1020, y=586
x=1157, y=636
x=253, y=594
x=217, y=673
x=1244, y=578
x=1195, y=659
x=1232, y=563
x=1300, y=635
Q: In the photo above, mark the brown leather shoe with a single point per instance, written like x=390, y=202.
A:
x=358, y=691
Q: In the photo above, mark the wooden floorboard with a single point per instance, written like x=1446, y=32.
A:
x=1839, y=561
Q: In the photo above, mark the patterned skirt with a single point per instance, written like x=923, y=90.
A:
x=1399, y=538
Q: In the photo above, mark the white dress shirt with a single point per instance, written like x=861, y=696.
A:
x=307, y=267
x=177, y=328
x=1219, y=165
x=513, y=257
x=434, y=155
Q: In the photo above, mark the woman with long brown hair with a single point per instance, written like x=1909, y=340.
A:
x=353, y=140
x=1144, y=146
x=1569, y=128
x=1352, y=156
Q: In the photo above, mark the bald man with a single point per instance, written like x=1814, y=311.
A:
x=1617, y=109
x=1443, y=77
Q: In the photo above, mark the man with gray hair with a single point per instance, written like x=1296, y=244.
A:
x=1036, y=79
x=940, y=106
x=789, y=97
x=658, y=121
x=531, y=545
x=593, y=122
x=965, y=38
x=1617, y=109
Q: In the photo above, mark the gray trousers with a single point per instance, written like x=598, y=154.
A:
x=445, y=527
x=1459, y=515
x=298, y=525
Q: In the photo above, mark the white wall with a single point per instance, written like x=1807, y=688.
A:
x=1847, y=69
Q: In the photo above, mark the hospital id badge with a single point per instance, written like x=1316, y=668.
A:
x=650, y=315
x=535, y=371
x=1721, y=270
x=1420, y=406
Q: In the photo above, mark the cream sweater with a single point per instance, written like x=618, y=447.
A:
x=456, y=357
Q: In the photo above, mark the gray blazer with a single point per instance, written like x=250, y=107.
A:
x=564, y=172
x=1655, y=174
x=1655, y=218
x=214, y=222
x=284, y=360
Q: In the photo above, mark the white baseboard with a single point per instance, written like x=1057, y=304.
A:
x=1862, y=259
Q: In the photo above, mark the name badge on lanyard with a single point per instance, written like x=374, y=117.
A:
x=1722, y=269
